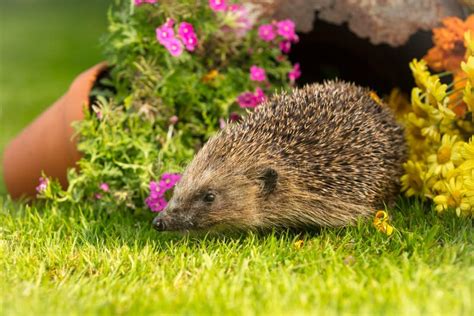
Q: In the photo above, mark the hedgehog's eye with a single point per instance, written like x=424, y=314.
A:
x=209, y=197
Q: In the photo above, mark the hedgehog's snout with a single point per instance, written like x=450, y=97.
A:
x=172, y=219
x=159, y=224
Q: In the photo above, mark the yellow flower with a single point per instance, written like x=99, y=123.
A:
x=469, y=194
x=445, y=117
x=466, y=152
x=455, y=197
x=441, y=162
x=414, y=179
x=420, y=108
x=398, y=103
x=468, y=97
x=298, y=244
x=468, y=67
x=419, y=148
x=441, y=122
x=469, y=43
x=381, y=223
x=460, y=153
x=435, y=89
x=431, y=119
x=420, y=72
x=424, y=116
x=431, y=132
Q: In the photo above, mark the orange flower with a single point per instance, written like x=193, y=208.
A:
x=449, y=48
x=448, y=53
x=211, y=75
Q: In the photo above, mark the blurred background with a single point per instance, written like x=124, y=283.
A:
x=44, y=44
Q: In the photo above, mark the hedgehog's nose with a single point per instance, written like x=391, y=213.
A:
x=159, y=224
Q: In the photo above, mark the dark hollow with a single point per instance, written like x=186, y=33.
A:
x=333, y=51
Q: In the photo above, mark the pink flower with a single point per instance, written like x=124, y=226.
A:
x=234, y=117
x=222, y=123
x=260, y=96
x=169, y=22
x=242, y=19
x=168, y=180
x=251, y=100
x=190, y=42
x=295, y=73
x=173, y=120
x=285, y=46
x=186, y=29
x=43, y=185
x=104, y=187
x=156, y=190
x=247, y=100
x=257, y=73
x=165, y=33
x=188, y=36
x=266, y=32
x=280, y=58
x=138, y=2
x=286, y=28
x=218, y=5
x=234, y=7
x=174, y=46
x=156, y=200
x=156, y=205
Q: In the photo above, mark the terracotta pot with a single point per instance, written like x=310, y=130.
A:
x=47, y=144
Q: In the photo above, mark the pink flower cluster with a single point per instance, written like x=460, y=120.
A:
x=251, y=100
x=295, y=73
x=238, y=18
x=285, y=29
x=257, y=73
x=139, y=2
x=104, y=187
x=156, y=201
x=175, y=44
x=43, y=185
x=218, y=5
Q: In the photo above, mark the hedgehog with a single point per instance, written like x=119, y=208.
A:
x=323, y=155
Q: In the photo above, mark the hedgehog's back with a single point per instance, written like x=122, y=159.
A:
x=333, y=138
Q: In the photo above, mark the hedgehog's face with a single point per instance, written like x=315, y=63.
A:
x=213, y=200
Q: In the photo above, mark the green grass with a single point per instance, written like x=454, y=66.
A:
x=58, y=262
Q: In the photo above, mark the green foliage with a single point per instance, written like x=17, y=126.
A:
x=153, y=110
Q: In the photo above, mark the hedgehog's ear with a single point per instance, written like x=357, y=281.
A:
x=269, y=178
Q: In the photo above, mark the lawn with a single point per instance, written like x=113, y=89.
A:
x=78, y=261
